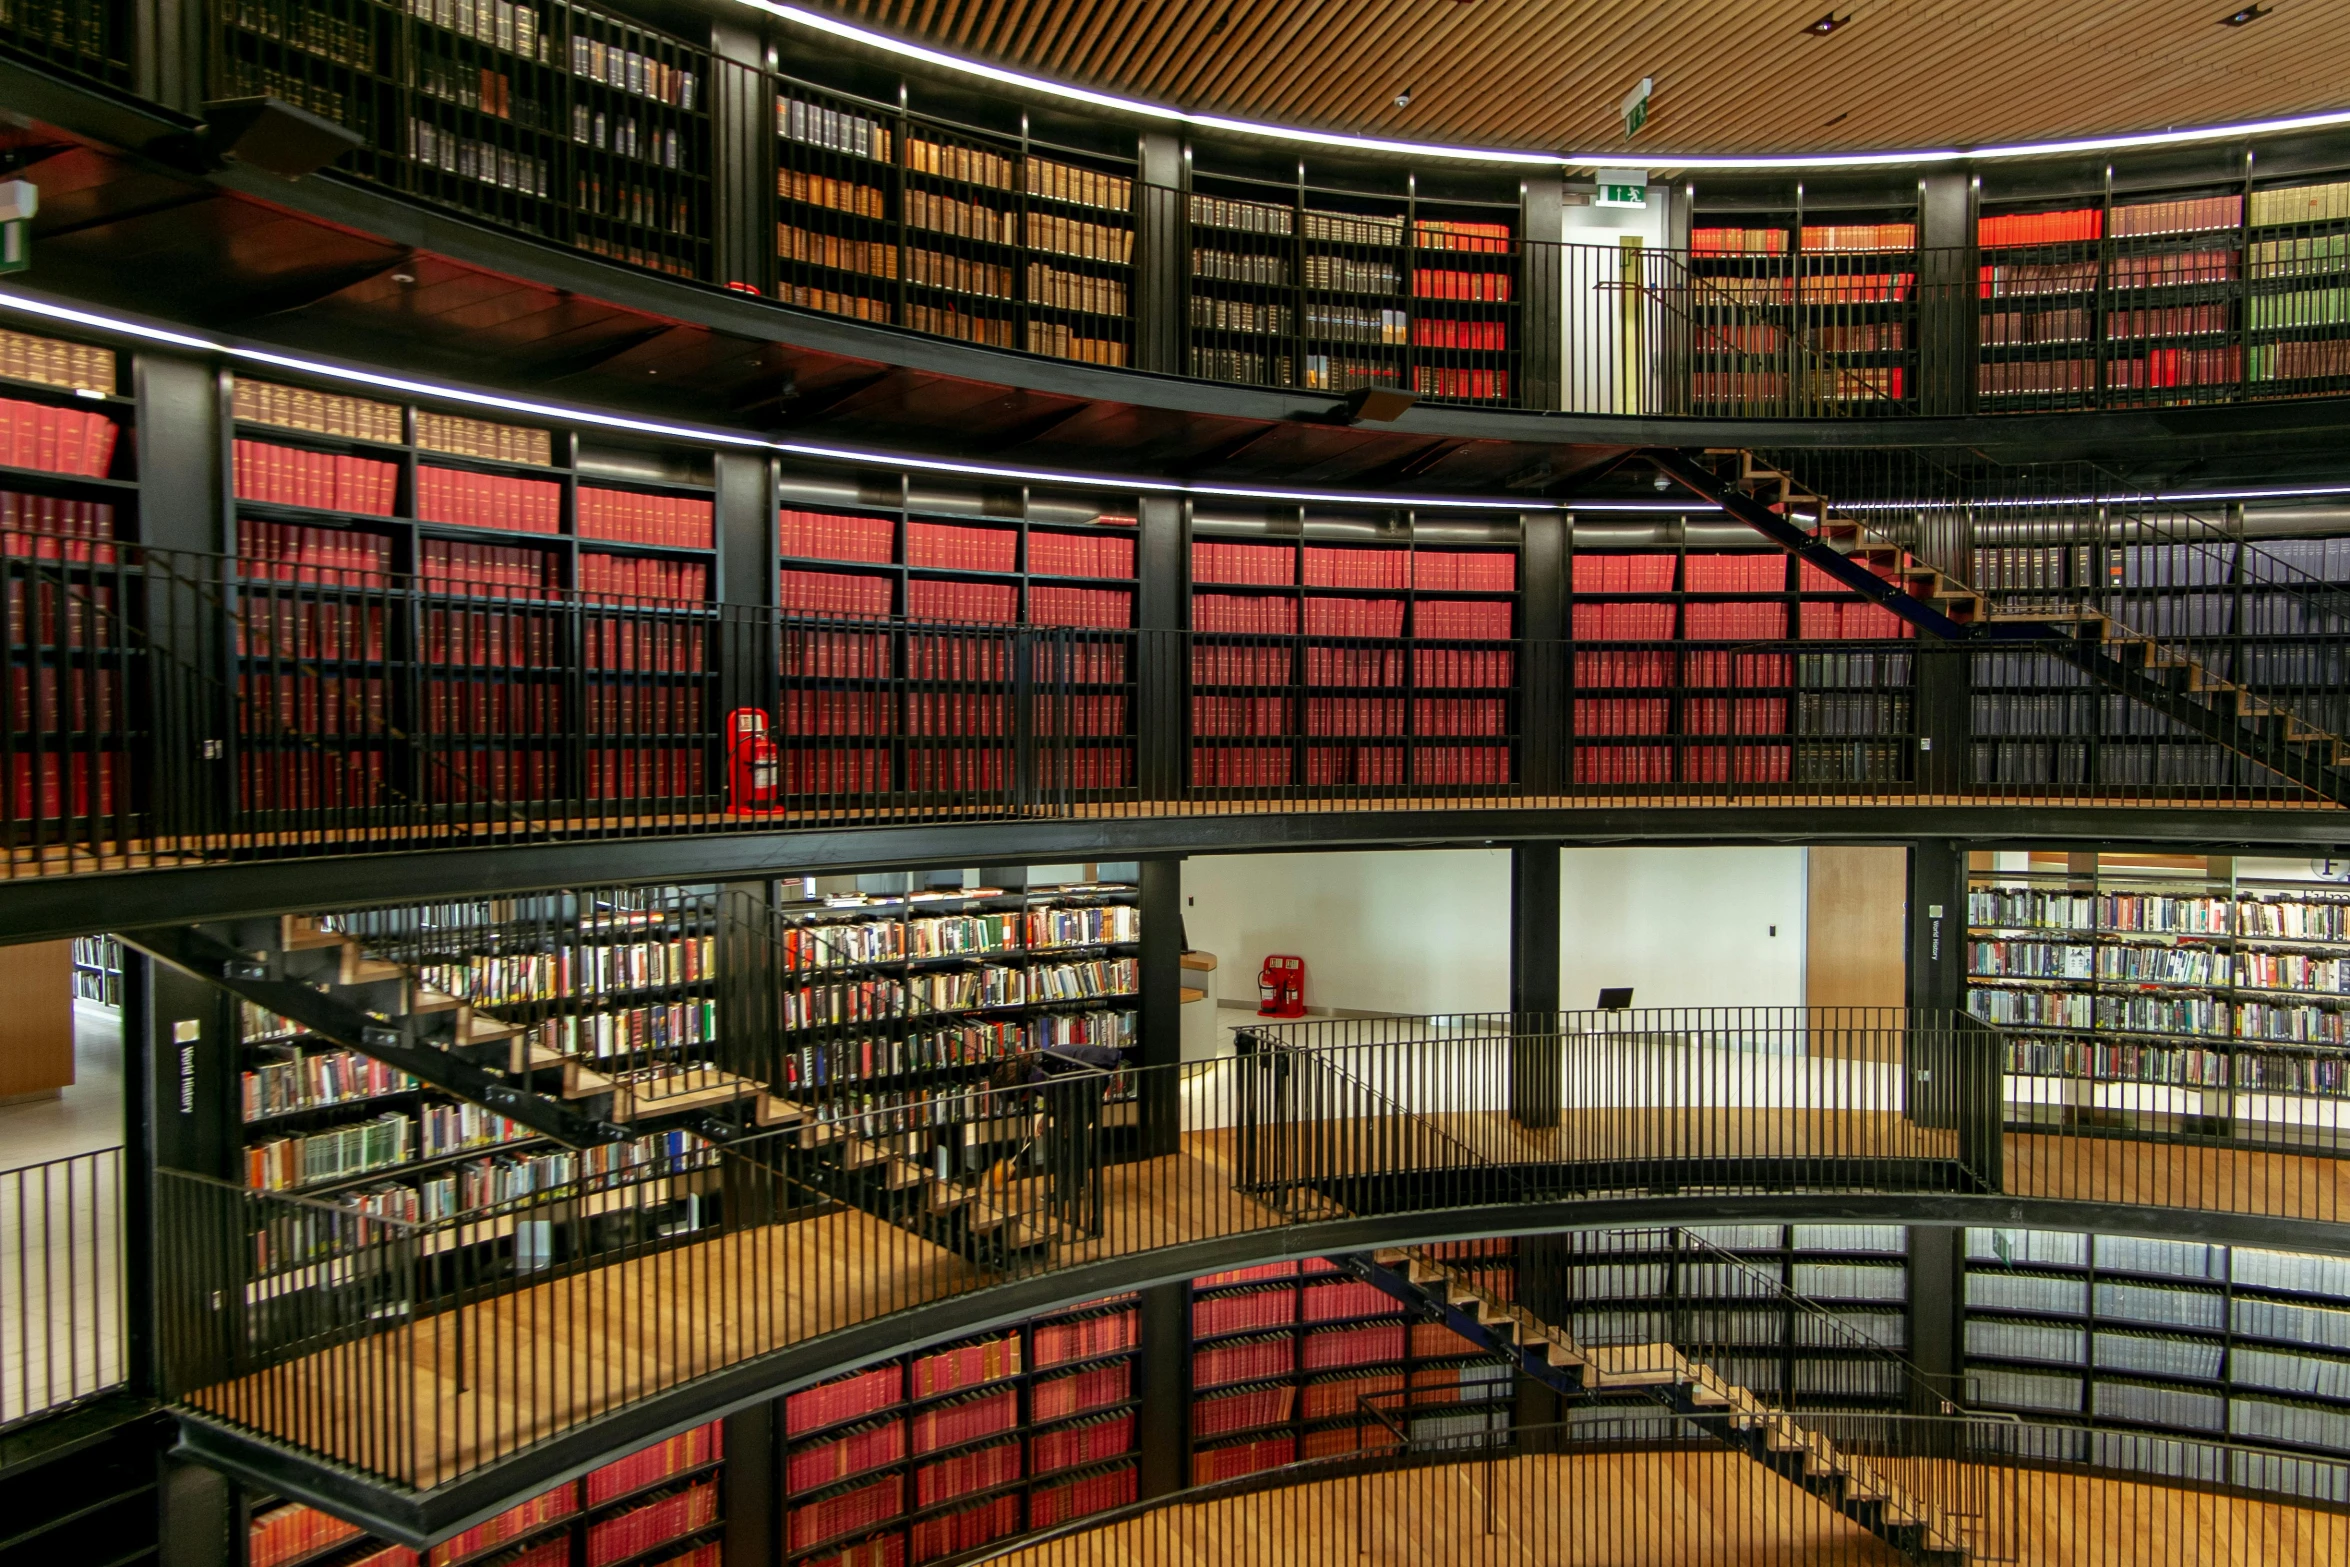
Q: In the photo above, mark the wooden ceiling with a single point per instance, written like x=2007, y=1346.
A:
x=1731, y=75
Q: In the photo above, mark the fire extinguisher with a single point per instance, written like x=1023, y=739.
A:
x=754, y=768
x=1281, y=987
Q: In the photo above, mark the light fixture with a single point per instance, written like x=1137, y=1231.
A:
x=2250, y=14
x=850, y=32
x=1403, y=100
x=403, y=277
x=1827, y=24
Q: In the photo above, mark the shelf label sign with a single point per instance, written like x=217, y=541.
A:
x=1622, y=188
x=1635, y=106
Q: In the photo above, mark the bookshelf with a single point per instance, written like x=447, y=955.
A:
x=557, y=120
x=876, y=711
x=1351, y=652
x=2183, y=1000
x=2184, y=1337
x=935, y=1453
x=97, y=970
x=494, y=523
x=663, y=1506
x=2296, y=267
x=1789, y=312
x=1640, y=1286
x=902, y=1007
x=1331, y=289
x=1009, y=240
x=68, y=483
x=1693, y=665
x=1281, y=1355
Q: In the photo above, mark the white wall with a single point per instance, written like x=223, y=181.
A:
x=1407, y=931
x=1682, y=927
x=1598, y=317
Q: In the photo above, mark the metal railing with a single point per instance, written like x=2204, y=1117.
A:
x=167, y=709
x=63, y=1325
x=1616, y=1489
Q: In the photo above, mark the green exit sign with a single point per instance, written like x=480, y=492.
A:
x=16, y=246
x=1623, y=196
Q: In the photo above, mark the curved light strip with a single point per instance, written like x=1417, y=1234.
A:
x=100, y=321
x=1644, y=157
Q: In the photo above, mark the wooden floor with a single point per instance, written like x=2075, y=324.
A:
x=424, y=1402
x=1688, y=1509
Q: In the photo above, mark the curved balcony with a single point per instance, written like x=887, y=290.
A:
x=420, y=1381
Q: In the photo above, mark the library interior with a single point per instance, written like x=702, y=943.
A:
x=1248, y=781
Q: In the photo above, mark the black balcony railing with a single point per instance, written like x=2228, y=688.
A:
x=63, y=1326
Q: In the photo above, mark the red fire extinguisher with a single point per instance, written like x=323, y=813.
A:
x=754, y=769
x=1281, y=987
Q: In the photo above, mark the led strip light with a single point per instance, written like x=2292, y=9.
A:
x=850, y=32
x=141, y=331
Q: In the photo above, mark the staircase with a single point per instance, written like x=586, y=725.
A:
x=2162, y=677
x=331, y=986
x=1773, y=1438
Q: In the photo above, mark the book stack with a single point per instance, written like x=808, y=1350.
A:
x=299, y=780
x=1266, y=716
x=1095, y=608
x=972, y=1365
x=2040, y=228
x=1737, y=242
x=1756, y=622
x=1438, y=332
x=1446, y=283
x=836, y=130
x=1227, y=612
x=1261, y=565
x=961, y=549
x=1649, y=573
x=630, y=71
x=1328, y=1398
x=50, y=527
x=819, y=190
x=1464, y=620
x=953, y=1533
x=947, y=320
x=1254, y=217
x=1233, y=767
x=1085, y=1442
x=1850, y=620
x=292, y=1530
x=685, y=582
x=55, y=440
x=1349, y=617
x=630, y=517
x=1857, y=238
x=1245, y=1410
x=1057, y=1398
x=964, y=1420
x=646, y=1528
x=1080, y=187
x=1343, y=568
x=988, y=603
x=1354, y=715
x=284, y=1163
x=962, y=219
x=485, y=570
x=1211, y=1314
x=313, y=1079
x=1088, y=1337
x=287, y=552
x=1752, y=573
x=856, y=1452
x=290, y=476
x=1623, y=623
x=462, y=437
x=833, y=593
x=1059, y=340
x=1243, y=1360
x=1455, y=381
x=512, y=1524
x=462, y=498
x=1080, y=554
x=50, y=361
x=1049, y=1505
x=2194, y=215
x=1242, y=1458
x=967, y=1474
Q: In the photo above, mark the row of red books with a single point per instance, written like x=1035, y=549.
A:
x=2040, y=228
x=833, y=593
x=824, y=535
x=1700, y=764
x=995, y=603
x=1217, y=665
x=287, y=552
x=350, y=705
x=486, y=570
x=56, y=440
x=1363, y=1346
x=1263, y=1272
x=970, y=1365
x=1643, y=573
x=887, y=1551
x=639, y=576
x=1437, y=332
x=1460, y=381
x=829, y=1403
x=1271, y=1308
x=633, y=709
x=1330, y=1302
x=1277, y=565
x=967, y=1474
x=1080, y=554
x=1097, y=1493
x=853, y=1453
x=1243, y=1411
x=1235, y=767
x=1056, y=1398
x=1242, y=1458
x=50, y=527
x=307, y=780
x=1085, y=1442
x=1258, y=565
x=1086, y=769
x=946, y=1425
x=1243, y=1360
x=850, y=1512
x=1326, y=1397
x=618, y=642
x=1057, y=1343
x=631, y=517
x=943, y=546
x=1106, y=609
x=951, y=1534
x=465, y=499
x=1604, y=668
x=50, y=786
x=640, y=1529
x=293, y=476
x=1850, y=620
x=1699, y=715
x=1444, y=283
x=512, y=1524
x=644, y=774
x=1759, y=621
x=48, y=700
x=282, y=1533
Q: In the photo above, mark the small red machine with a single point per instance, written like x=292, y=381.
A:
x=754, y=768
x=1281, y=987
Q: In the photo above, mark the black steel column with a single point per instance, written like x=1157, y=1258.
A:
x=1161, y=675
x=1542, y=1267
x=752, y=1491
x=1542, y=287
x=1160, y=256
x=167, y=53
x=1159, y=1019
x=193, y=1508
x=179, y=442
x=1948, y=322
x=742, y=159
x=745, y=524
x=1937, y=925
x=137, y=1179
x=1936, y=1282
x=1942, y=712
x=1163, y=1464
x=1537, y=1086
x=1542, y=679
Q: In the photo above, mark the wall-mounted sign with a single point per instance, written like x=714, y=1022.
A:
x=1622, y=188
x=1635, y=106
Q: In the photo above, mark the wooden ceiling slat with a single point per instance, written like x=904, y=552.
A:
x=1733, y=75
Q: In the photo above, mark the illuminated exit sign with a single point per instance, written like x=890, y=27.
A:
x=1622, y=188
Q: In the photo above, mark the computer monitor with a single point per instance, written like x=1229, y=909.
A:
x=1614, y=998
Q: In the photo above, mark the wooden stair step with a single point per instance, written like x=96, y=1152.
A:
x=302, y=933
x=699, y=1089
x=1199, y=962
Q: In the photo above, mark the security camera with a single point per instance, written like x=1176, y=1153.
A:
x=1403, y=100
